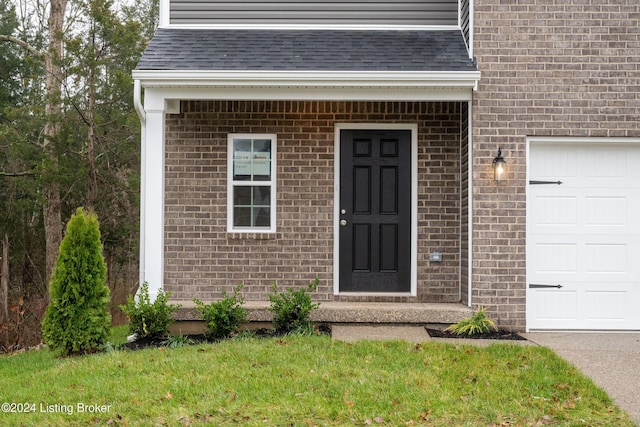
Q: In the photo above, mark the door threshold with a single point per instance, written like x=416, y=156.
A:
x=375, y=294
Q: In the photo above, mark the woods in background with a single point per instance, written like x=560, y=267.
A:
x=69, y=137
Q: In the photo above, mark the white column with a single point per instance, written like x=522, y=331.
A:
x=152, y=196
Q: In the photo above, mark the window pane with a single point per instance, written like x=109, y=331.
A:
x=261, y=196
x=242, y=217
x=261, y=159
x=262, y=217
x=242, y=196
x=252, y=159
x=241, y=159
x=262, y=145
x=241, y=145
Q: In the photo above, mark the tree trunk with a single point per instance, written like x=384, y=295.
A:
x=53, y=109
x=92, y=186
x=4, y=281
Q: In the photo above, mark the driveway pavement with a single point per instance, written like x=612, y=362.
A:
x=611, y=360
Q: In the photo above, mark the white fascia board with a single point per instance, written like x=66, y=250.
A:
x=160, y=95
x=335, y=27
x=195, y=78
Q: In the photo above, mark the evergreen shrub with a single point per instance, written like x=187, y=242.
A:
x=148, y=319
x=292, y=309
x=223, y=317
x=77, y=319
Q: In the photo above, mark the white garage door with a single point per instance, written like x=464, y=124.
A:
x=583, y=236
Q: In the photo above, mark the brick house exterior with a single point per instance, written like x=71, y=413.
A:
x=549, y=69
x=543, y=72
x=198, y=246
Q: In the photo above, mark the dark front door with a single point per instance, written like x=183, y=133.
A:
x=375, y=211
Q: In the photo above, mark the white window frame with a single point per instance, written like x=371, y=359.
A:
x=231, y=183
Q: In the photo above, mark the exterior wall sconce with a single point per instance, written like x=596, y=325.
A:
x=499, y=167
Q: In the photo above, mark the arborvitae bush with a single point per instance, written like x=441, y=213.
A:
x=77, y=319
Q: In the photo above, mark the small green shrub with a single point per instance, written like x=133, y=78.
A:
x=146, y=319
x=291, y=309
x=77, y=320
x=177, y=341
x=223, y=317
x=476, y=324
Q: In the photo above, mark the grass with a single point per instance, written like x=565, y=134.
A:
x=306, y=381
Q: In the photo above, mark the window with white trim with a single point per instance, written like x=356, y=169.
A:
x=251, y=192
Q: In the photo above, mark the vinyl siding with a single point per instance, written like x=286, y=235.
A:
x=465, y=20
x=331, y=12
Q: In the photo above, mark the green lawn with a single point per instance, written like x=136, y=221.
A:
x=305, y=381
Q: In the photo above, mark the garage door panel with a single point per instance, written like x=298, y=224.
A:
x=574, y=307
x=606, y=305
x=610, y=211
x=553, y=163
x=586, y=163
x=555, y=210
x=556, y=305
x=583, y=237
x=606, y=258
x=587, y=257
x=569, y=210
x=555, y=258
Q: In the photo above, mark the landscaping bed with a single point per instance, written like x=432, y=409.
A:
x=180, y=341
x=493, y=335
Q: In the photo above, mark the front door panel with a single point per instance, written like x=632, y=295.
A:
x=375, y=211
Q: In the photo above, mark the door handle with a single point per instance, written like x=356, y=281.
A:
x=343, y=222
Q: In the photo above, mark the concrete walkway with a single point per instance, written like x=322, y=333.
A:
x=611, y=360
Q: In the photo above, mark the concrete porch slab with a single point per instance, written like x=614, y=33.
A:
x=355, y=312
x=349, y=333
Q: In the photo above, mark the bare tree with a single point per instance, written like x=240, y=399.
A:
x=53, y=109
x=4, y=281
x=52, y=205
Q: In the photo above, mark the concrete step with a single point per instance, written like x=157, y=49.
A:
x=355, y=312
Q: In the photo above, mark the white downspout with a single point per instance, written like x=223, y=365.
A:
x=470, y=203
x=137, y=104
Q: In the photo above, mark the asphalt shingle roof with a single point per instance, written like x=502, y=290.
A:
x=306, y=50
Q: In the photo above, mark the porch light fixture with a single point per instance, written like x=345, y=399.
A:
x=499, y=167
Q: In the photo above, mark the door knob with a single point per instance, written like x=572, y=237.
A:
x=343, y=222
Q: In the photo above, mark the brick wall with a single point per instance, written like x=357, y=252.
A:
x=549, y=68
x=202, y=259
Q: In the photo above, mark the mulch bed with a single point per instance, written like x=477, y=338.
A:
x=143, y=343
x=497, y=335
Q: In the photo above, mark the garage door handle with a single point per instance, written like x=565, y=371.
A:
x=536, y=286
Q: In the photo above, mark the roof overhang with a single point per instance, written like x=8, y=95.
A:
x=307, y=85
